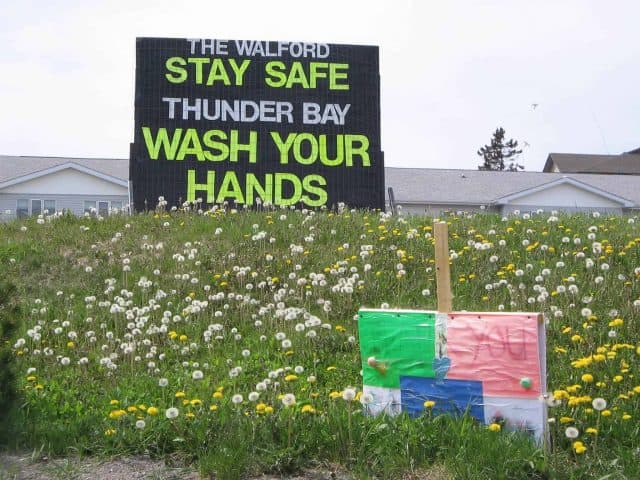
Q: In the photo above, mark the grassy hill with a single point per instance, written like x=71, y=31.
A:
x=184, y=333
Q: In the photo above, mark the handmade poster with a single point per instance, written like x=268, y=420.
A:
x=491, y=365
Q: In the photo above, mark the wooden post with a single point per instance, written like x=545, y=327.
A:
x=443, y=272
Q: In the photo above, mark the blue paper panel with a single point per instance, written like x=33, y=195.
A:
x=451, y=396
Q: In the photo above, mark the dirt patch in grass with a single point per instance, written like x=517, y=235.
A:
x=26, y=467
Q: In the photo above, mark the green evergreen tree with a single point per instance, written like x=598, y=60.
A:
x=500, y=155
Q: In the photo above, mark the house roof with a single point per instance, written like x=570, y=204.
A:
x=624, y=164
x=480, y=187
x=410, y=185
x=12, y=167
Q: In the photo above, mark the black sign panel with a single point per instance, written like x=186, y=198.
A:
x=256, y=122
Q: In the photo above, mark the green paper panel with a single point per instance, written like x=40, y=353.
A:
x=404, y=341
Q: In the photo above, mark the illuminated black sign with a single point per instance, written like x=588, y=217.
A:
x=250, y=122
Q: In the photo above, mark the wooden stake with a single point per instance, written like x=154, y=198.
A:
x=443, y=272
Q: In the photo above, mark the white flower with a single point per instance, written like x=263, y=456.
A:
x=311, y=379
x=289, y=399
x=163, y=382
x=140, y=424
x=349, y=394
x=197, y=375
x=286, y=343
x=237, y=399
x=599, y=404
x=253, y=396
x=572, y=432
x=171, y=413
x=65, y=361
x=366, y=399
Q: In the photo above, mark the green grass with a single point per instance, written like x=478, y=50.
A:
x=71, y=272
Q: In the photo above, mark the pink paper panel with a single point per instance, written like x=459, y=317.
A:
x=500, y=350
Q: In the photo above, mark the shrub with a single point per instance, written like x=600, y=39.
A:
x=9, y=312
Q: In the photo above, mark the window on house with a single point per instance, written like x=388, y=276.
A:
x=50, y=206
x=103, y=209
x=36, y=207
x=89, y=205
x=22, y=208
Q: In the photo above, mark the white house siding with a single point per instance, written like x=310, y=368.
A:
x=436, y=210
x=507, y=209
x=565, y=196
x=73, y=203
x=66, y=181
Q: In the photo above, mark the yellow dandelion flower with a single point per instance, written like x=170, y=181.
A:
x=116, y=414
x=308, y=409
x=494, y=427
x=429, y=404
x=566, y=419
x=217, y=395
x=579, y=447
x=290, y=378
x=114, y=402
x=109, y=432
x=132, y=409
x=213, y=408
x=180, y=394
x=606, y=413
x=152, y=411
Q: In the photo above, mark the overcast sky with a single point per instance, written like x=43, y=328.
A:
x=451, y=71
